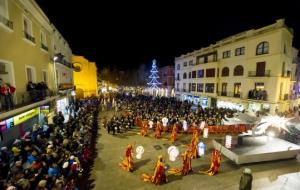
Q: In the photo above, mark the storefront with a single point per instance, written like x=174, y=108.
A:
x=230, y=105
x=16, y=126
x=62, y=105
x=254, y=107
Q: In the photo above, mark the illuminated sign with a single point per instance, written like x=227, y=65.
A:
x=25, y=116
x=45, y=109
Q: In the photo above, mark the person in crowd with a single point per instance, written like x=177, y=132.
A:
x=246, y=180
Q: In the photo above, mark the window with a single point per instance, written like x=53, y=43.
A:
x=178, y=76
x=43, y=41
x=200, y=73
x=259, y=86
x=194, y=74
x=3, y=8
x=191, y=63
x=240, y=51
x=45, y=77
x=237, y=90
x=177, y=87
x=224, y=89
x=200, y=87
x=284, y=49
x=178, y=66
x=262, y=48
x=193, y=86
x=210, y=72
x=190, y=86
x=184, y=76
x=238, y=71
x=184, y=87
x=226, y=54
x=185, y=64
x=225, y=72
x=27, y=24
x=30, y=73
x=190, y=75
x=209, y=87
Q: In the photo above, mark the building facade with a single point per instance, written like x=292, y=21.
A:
x=85, y=77
x=252, y=70
x=27, y=49
x=166, y=78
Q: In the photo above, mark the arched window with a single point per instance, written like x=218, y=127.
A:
x=225, y=72
x=238, y=71
x=184, y=75
x=262, y=48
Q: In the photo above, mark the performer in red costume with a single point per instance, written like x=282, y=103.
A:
x=214, y=164
x=174, y=133
x=186, y=167
x=158, y=130
x=127, y=163
x=159, y=176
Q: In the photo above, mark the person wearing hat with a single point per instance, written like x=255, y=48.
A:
x=246, y=180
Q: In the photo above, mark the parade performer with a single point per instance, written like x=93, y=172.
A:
x=214, y=164
x=127, y=163
x=158, y=130
x=186, y=167
x=159, y=176
x=144, y=129
x=193, y=146
x=174, y=133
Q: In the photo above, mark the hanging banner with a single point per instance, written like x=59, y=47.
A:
x=25, y=116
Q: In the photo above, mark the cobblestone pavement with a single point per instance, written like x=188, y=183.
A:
x=106, y=173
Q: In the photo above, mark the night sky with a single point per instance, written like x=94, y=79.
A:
x=125, y=35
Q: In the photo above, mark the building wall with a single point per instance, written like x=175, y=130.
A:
x=19, y=52
x=85, y=80
x=279, y=62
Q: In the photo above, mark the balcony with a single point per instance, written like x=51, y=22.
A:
x=266, y=73
x=25, y=99
x=44, y=47
x=6, y=22
x=29, y=37
x=230, y=94
x=258, y=95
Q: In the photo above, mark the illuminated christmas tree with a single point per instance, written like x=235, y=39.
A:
x=153, y=84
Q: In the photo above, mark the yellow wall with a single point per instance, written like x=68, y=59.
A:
x=19, y=52
x=86, y=79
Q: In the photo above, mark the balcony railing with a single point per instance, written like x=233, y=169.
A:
x=230, y=94
x=44, y=47
x=25, y=98
x=29, y=37
x=267, y=73
x=6, y=22
x=258, y=95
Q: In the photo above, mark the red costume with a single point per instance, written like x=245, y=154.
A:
x=144, y=129
x=127, y=163
x=194, y=144
x=214, y=164
x=159, y=176
x=186, y=165
x=174, y=133
x=158, y=131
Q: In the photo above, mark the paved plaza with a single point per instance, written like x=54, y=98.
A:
x=106, y=174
